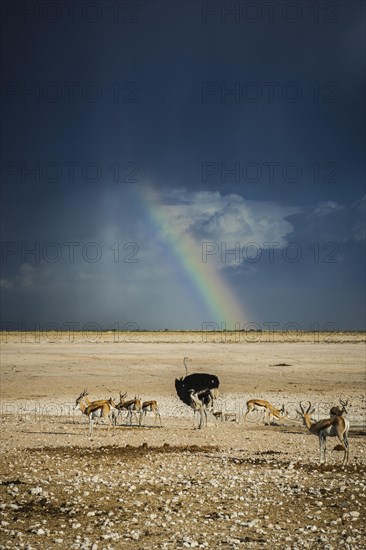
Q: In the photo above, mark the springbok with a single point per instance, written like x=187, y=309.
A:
x=336, y=426
x=96, y=409
x=132, y=406
x=338, y=411
x=153, y=407
x=270, y=411
x=114, y=411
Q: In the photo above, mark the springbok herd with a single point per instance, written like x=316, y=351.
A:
x=202, y=401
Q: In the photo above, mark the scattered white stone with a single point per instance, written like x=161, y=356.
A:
x=35, y=490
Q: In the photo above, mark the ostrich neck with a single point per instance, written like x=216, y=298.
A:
x=185, y=365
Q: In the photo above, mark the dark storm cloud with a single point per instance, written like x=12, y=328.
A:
x=189, y=99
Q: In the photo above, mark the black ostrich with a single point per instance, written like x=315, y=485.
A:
x=198, y=391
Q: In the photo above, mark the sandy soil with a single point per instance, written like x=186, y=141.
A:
x=230, y=485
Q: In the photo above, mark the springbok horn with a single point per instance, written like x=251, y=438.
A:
x=309, y=407
x=302, y=408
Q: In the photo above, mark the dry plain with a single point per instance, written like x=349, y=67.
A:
x=230, y=485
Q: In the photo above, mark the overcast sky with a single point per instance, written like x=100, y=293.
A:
x=143, y=141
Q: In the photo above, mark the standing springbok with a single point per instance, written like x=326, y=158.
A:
x=114, y=411
x=270, y=411
x=96, y=409
x=338, y=411
x=336, y=426
x=132, y=406
x=153, y=407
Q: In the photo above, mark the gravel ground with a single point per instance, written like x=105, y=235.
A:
x=230, y=485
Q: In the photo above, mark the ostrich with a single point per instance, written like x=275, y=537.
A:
x=198, y=390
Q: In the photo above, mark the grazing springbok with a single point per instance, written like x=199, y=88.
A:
x=153, y=407
x=97, y=409
x=336, y=426
x=338, y=411
x=270, y=411
x=132, y=406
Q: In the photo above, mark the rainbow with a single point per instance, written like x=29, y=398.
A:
x=207, y=281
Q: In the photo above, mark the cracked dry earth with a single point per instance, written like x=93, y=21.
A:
x=268, y=493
